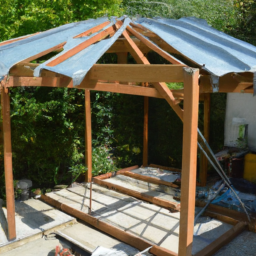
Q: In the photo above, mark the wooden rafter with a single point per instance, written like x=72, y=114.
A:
x=93, y=30
x=161, y=87
x=154, y=47
x=101, y=35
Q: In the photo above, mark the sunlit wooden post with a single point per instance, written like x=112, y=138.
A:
x=5, y=101
x=88, y=136
x=189, y=160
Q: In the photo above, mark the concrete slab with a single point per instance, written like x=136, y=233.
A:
x=148, y=221
x=92, y=238
x=39, y=247
x=33, y=218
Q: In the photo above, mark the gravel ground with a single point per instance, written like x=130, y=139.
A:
x=243, y=245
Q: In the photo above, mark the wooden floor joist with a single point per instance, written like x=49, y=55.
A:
x=121, y=235
x=154, y=200
x=222, y=240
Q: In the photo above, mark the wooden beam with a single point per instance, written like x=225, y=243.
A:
x=88, y=137
x=165, y=168
x=101, y=35
x=5, y=101
x=137, y=72
x=222, y=240
x=189, y=161
x=204, y=161
x=93, y=30
x=154, y=200
x=143, y=30
x=122, y=57
x=154, y=47
x=67, y=82
x=145, y=132
x=121, y=235
x=117, y=72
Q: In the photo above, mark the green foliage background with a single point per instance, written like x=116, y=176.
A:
x=48, y=124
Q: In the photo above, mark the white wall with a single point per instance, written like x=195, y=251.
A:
x=241, y=105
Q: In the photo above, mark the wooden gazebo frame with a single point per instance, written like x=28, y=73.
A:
x=153, y=78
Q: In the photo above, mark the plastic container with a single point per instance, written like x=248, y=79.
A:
x=250, y=167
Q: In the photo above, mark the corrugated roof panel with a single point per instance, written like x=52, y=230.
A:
x=78, y=65
x=18, y=51
x=211, y=49
x=215, y=51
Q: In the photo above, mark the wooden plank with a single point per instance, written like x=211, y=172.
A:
x=137, y=72
x=121, y=235
x=66, y=82
x=101, y=35
x=189, y=160
x=88, y=137
x=93, y=30
x=165, y=168
x=154, y=200
x=145, y=132
x=147, y=179
x=222, y=240
x=5, y=101
x=117, y=72
x=146, y=32
x=154, y=47
x=204, y=162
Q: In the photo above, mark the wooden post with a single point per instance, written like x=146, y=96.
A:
x=5, y=100
x=88, y=136
x=122, y=57
x=189, y=160
x=145, y=133
x=204, y=162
